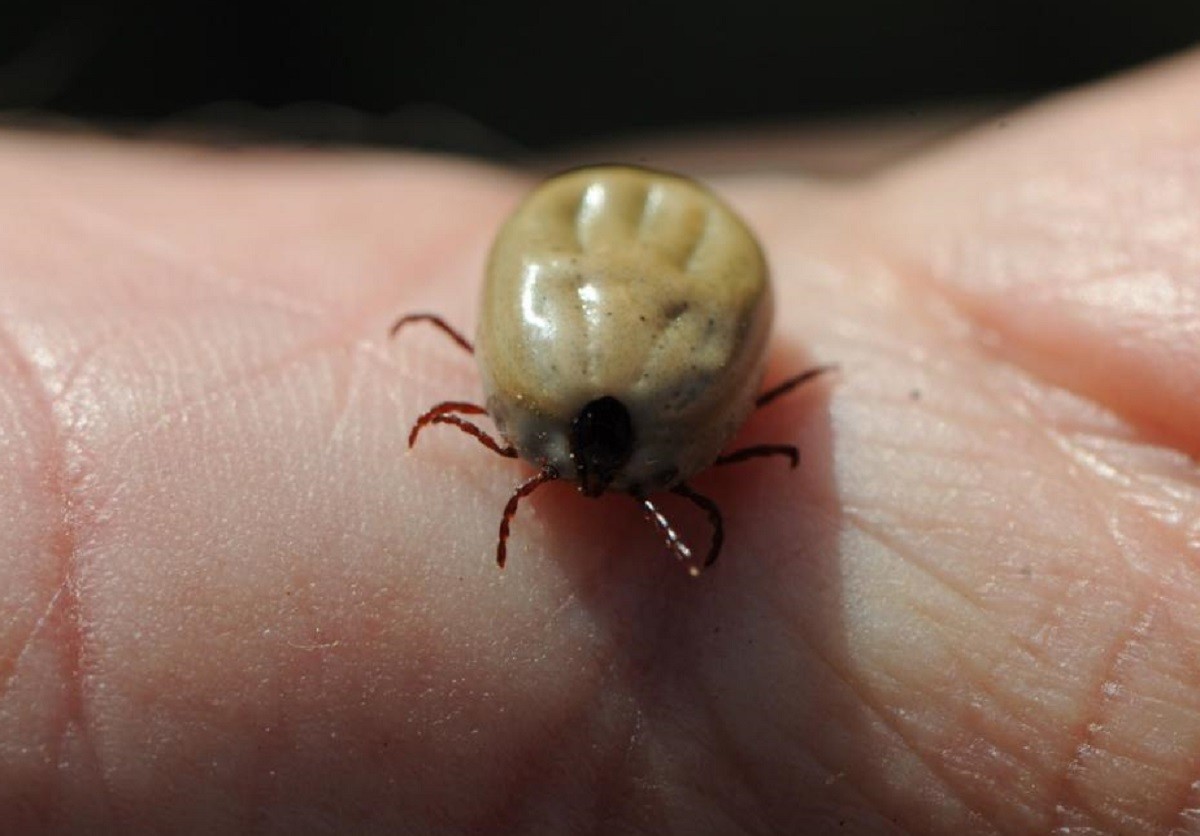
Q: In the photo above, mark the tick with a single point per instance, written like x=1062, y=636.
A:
x=621, y=343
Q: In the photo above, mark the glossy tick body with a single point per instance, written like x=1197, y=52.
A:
x=621, y=342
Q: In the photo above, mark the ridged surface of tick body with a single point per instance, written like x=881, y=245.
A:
x=627, y=284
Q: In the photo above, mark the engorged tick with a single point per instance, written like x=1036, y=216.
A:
x=622, y=341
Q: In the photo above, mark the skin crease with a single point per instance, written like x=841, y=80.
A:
x=230, y=602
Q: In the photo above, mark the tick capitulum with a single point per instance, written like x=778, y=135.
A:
x=601, y=443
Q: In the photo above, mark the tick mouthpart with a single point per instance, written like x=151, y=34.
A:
x=602, y=440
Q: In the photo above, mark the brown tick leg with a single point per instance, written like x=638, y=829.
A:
x=439, y=322
x=714, y=519
x=790, y=384
x=523, y=490
x=674, y=541
x=443, y=414
x=758, y=451
x=762, y=450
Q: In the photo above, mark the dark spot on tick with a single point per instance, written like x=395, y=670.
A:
x=675, y=310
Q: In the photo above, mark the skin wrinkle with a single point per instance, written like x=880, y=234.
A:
x=295, y=354
x=893, y=544
x=746, y=767
x=1087, y=458
x=1108, y=446
x=964, y=267
x=721, y=818
x=889, y=723
x=368, y=348
x=1141, y=629
x=857, y=513
x=1022, y=407
x=1004, y=402
x=425, y=388
x=646, y=701
x=952, y=780
x=716, y=739
x=376, y=349
x=630, y=808
x=1092, y=716
x=1001, y=400
x=965, y=661
x=1185, y=816
x=567, y=602
x=66, y=375
x=1173, y=533
x=1181, y=817
x=161, y=249
x=62, y=486
x=647, y=696
x=8, y=672
x=1056, y=440
x=28, y=371
x=1173, y=703
x=346, y=395
x=1032, y=650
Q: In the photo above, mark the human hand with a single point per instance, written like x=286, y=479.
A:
x=232, y=601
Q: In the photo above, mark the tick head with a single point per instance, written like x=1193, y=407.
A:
x=601, y=442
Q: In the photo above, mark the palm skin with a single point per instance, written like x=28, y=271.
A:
x=232, y=600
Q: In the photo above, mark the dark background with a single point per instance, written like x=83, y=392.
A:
x=498, y=78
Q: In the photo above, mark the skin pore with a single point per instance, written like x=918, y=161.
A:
x=231, y=602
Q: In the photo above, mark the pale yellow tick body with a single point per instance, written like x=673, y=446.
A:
x=632, y=284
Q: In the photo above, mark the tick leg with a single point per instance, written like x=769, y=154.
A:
x=758, y=451
x=439, y=322
x=790, y=384
x=523, y=490
x=714, y=519
x=674, y=541
x=761, y=450
x=443, y=413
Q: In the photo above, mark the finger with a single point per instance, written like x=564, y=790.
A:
x=1070, y=232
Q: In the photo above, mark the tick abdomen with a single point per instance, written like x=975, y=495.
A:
x=635, y=285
